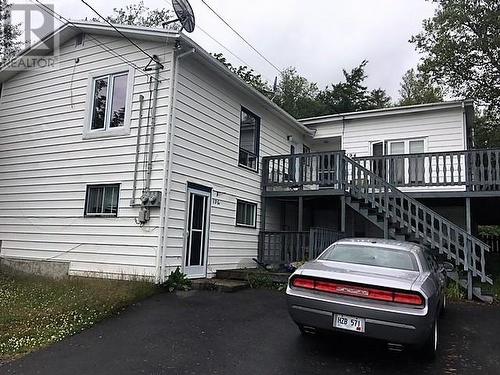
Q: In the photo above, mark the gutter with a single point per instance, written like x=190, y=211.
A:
x=162, y=248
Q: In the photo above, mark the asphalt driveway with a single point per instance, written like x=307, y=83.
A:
x=249, y=332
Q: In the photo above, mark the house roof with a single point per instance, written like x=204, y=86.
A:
x=71, y=29
x=391, y=111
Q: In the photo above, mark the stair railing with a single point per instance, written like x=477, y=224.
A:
x=424, y=223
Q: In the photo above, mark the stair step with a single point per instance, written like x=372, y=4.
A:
x=220, y=285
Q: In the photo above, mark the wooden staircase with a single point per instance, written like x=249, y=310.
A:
x=404, y=218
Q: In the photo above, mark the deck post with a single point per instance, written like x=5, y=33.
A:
x=342, y=213
x=260, y=244
x=300, y=224
x=468, y=222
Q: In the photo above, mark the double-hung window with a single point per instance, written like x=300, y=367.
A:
x=102, y=200
x=249, y=139
x=246, y=214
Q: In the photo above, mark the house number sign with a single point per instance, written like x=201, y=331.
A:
x=215, y=198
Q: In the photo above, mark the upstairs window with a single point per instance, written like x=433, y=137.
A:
x=249, y=139
x=109, y=100
x=102, y=200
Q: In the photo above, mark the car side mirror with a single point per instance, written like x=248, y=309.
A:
x=448, y=267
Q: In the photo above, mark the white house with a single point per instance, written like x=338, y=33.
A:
x=67, y=166
x=119, y=170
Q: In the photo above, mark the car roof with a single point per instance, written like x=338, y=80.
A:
x=391, y=244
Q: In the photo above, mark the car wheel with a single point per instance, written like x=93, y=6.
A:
x=430, y=347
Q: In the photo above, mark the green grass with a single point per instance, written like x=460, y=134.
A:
x=36, y=311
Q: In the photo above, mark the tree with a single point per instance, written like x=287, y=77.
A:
x=9, y=44
x=352, y=95
x=139, y=15
x=417, y=88
x=296, y=95
x=247, y=74
x=461, y=50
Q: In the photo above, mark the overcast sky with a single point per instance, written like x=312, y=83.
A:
x=318, y=37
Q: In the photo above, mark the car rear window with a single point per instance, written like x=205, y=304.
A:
x=377, y=256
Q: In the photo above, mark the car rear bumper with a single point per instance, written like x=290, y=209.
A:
x=392, y=325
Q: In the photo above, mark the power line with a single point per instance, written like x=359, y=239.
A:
x=122, y=34
x=240, y=36
x=53, y=13
x=223, y=46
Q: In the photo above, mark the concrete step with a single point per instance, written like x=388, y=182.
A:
x=219, y=285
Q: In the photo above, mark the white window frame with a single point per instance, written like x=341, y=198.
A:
x=254, y=225
x=87, y=192
x=89, y=133
x=387, y=144
x=406, y=144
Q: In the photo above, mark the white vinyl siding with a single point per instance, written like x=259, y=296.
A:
x=206, y=152
x=45, y=165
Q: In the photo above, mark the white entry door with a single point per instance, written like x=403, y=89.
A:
x=196, y=243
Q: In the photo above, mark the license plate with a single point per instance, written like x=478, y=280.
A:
x=350, y=323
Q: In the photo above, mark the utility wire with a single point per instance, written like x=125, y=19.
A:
x=122, y=34
x=53, y=13
x=223, y=46
x=240, y=36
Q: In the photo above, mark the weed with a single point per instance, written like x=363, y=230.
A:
x=177, y=281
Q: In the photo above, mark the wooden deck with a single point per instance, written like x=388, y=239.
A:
x=457, y=173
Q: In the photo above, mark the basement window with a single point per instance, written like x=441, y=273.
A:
x=249, y=140
x=246, y=214
x=102, y=200
x=109, y=99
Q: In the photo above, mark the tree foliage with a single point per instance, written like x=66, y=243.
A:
x=140, y=15
x=296, y=95
x=246, y=74
x=461, y=49
x=10, y=45
x=351, y=94
x=417, y=88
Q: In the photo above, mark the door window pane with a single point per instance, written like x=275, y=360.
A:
x=100, y=99
x=416, y=147
x=397, y=165
x=397, y=148
x=417, y=162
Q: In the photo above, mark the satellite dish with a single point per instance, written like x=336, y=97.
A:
x=185, y=15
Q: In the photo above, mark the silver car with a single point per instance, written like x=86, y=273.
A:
x=383, y=289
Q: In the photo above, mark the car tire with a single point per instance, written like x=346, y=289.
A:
x=430, y=347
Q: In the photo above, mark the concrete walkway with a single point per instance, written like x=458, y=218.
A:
x=249, y=332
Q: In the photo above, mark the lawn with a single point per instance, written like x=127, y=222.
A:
x=36, y=311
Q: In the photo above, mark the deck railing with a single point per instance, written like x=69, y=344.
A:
x=476, y=170
x=303, y=170
x=284, y=247
x=493, y=241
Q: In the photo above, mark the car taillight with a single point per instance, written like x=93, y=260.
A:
x=303, y=283
x=409, y=299
x=358, y=291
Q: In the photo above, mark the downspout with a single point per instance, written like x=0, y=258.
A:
x=170, y=147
